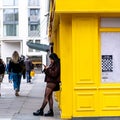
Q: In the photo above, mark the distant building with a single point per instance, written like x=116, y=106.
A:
x=22, y=21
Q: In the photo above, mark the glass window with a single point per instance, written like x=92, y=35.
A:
x=34, y=15
x=110, y=49
x=29, y=49
x=34, y=22
x=37, y=41
x=10, y=30
x=34, y=11
x=10, y=22
x=10, y=2
x=33, y=2
x=33, y=30
x=110, y=22
x=10, y=15
x=33, y=27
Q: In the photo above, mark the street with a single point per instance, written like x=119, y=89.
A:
x=30, y=99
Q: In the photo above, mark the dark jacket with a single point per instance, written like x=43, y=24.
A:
x=15, y=67
x=52, y=74
x=2, y=68
x=28, y=65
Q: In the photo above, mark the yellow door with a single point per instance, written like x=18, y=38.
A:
x=86, y=74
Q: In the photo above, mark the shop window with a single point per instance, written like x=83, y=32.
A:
x=110, y=57
x=110, y=23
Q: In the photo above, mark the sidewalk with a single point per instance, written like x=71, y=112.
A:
x=21, y=108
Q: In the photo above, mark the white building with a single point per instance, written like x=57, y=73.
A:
x=21, y=21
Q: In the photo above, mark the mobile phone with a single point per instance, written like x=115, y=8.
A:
x=44, y=65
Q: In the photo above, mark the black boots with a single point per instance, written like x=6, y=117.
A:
x=50, y=113
x=41, y=113
x=38, y=112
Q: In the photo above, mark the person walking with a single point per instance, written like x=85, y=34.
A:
x=2, y=72
x=7, y=70
x=52, y=79
x=22, y=60
x=15, y=67
x=28, y=65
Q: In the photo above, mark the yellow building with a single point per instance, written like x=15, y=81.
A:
x=86, y=36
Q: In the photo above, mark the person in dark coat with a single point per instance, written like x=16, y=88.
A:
x=28, y=65
x=16, y=68
x=2, y=72
x=22, y=60
x=7, y=70
x=52, y=78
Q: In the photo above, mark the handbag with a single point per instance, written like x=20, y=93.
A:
x=57, y=87
x=32, y=73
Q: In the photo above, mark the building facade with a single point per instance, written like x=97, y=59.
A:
x=21, y=22
x=86, y=36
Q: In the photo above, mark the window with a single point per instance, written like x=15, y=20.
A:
x=33, y=2
x=10, y=22
x=110, y=22
x=34, y=27
x=33, y=30
x=34, y=22
x=10, y=30
x=34, y=15
x=29, y=49
x=37, y=41
x=110, y=49
x=10, y=2
x=10, y=15
x=34, y=12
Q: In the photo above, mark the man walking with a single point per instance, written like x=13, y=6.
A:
x=28, y=65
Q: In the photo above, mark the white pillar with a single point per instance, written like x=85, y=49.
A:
x=23, y=24
x=43, y=58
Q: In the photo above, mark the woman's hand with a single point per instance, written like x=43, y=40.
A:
x=45, y=67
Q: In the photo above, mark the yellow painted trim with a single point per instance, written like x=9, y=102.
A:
x=85, y=88
x=66, y=66
x=109, y=87
x=87, y=6
x=109, y=29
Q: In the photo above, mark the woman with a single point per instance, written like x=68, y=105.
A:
x=52, y=79
x=15, y=68
x=2, y=72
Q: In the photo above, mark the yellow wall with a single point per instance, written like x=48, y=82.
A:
x=56, y=41
x=66, y=66
x=77, y=42
x=82, y=94
x=87, y=6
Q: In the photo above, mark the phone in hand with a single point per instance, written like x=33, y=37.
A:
x=44, y=65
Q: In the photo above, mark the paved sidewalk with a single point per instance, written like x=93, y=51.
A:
x=21, y=108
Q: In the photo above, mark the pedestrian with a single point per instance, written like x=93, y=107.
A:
x=7, y=70
x=2, y=72
x=22, y=60
x=15, y=67
x=28, y=65
x=52, y=79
